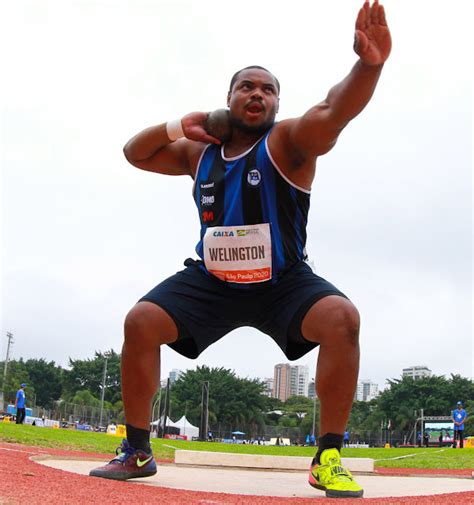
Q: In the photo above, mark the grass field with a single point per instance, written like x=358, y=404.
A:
x=101, y=443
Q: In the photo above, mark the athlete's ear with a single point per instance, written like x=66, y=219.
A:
x=278, y=105
x=228, y=98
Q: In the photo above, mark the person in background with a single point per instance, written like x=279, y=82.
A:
x=346, y=439
x=459, y=416
x=20, y=401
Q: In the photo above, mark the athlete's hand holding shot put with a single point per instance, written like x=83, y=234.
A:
x=252, y=243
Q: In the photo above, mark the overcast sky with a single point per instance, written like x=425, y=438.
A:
x=85, y=234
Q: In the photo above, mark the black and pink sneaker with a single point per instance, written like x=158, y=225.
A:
x=129, y=463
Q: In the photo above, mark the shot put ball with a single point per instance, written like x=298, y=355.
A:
x=218, y=125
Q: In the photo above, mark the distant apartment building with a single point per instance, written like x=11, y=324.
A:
x=281, y=381
x=289, y=381
x=299, y=380
x=358, y=392
x=366, y=390
x=268, y=391
x=416, y=372
x=174, y=375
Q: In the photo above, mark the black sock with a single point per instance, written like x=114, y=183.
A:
x=328, y=441
x=138, y=438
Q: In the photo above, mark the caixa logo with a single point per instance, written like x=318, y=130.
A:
x=223, y=234
x=207, y=200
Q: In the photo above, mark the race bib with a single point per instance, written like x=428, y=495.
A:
x=241, y=254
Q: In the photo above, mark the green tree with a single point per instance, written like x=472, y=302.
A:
x=45, y=379
x=17, y=373
x=274, y=411
x=297, y=412
x=232, y=400
x=297, y=407
x=469, y=424
x=436, y=395
x=88, y=374
x=306, y=424
x=363, y=416
x=85, y=397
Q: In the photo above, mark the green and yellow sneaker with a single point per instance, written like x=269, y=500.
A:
x=332, y=477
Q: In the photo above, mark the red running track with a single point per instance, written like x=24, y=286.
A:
x=23, y=481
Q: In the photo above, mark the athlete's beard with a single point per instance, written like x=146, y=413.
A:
x=260, y=129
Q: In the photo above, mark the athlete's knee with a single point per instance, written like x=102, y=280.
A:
x=332, y=320
x=147, y=325
x=347, y=322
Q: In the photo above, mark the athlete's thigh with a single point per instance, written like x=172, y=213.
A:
x=288, y=302
x=199, y=306
x=148, y=320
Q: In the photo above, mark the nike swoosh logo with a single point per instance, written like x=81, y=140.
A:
x=144, y=462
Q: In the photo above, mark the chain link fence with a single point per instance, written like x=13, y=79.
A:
x=255, y=432
x=72, y=413
x=297, y=435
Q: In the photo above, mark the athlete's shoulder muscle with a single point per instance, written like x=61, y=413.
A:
x=297, y=167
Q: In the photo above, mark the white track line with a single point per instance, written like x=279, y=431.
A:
x=409, y=455
x=19, y=450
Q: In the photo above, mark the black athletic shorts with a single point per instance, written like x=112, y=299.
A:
x=205, y=308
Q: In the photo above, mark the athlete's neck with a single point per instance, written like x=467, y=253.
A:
x=241, y=142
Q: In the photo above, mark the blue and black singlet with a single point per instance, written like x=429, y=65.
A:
x=250, y=189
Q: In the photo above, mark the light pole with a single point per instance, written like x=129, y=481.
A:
x=314, y=415
x=157, y=401
x=185, y=414
x=166, y=409
x=10, y=341
x=106, y=357
x=204, y=411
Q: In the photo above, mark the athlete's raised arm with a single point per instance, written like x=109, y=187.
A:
x=170, y=148
x=316, y=132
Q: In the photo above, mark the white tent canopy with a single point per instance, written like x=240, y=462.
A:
x=186, y=428
x=183, y=425
x=169, y=422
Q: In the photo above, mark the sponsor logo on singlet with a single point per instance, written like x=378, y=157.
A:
x=207, y=200
x=208, y=185
x=243, y=233
x=254, y=177
x=207, y=215
x=223, y=234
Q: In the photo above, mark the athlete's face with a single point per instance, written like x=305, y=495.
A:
x=253, y=101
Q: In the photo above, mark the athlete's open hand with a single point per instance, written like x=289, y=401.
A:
x=194, y=128
x=372, y=36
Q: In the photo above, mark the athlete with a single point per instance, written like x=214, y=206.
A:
x=459, y=416
x=252, y=194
